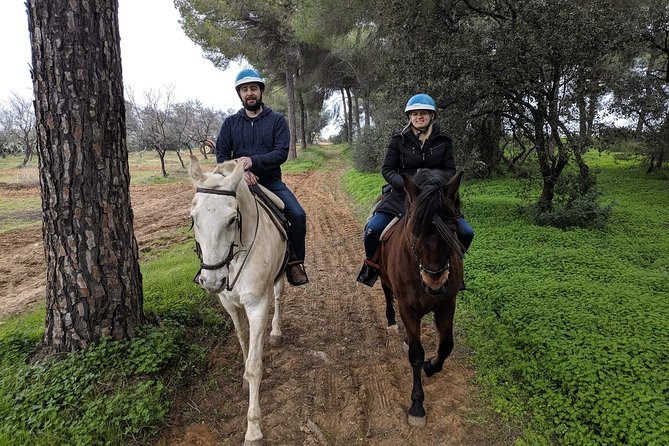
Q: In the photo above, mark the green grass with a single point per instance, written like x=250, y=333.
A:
x=115, y=392
x=310, y=158
x=364, y=188
x=570, y=328
x=17, y=213
x=14, y=162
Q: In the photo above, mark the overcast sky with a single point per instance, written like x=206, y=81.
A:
x=155, y=53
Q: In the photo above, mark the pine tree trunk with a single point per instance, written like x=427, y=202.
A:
x=290, y=92
x=303, y=121
x=94, y=284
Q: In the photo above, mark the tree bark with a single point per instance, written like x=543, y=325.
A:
x=93, y=279
x=290, y=92
x=347, y=128
x=303, y=121
x=350, y=115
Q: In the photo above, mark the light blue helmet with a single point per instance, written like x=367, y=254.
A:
x=247, y=76
x=421, y=101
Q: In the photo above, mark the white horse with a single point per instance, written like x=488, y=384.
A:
x=242, y=260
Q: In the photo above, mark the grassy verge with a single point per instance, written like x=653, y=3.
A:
x=570, y=328
x=310, y=158
x=18, y=213
x=115, y=392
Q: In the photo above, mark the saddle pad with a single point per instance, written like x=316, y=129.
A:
x=386, y=232
x=272, y=196
x=276, y=219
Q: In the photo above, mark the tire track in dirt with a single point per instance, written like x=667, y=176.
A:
x=339, y=378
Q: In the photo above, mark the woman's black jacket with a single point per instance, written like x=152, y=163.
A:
x=405, y=155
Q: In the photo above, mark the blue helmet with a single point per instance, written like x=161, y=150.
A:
x=421, y=101
x=247, y=76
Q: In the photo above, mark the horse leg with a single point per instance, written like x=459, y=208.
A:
x=416, y=415
x=443, y=319
x=257, y=313
x=241, y=323
x=390, y=310
x=275, y=335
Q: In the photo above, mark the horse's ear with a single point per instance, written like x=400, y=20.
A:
x=237, y=173
x=195, y=170
x=453, y=185
x=410, y=187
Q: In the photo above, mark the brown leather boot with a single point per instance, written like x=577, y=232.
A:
x=296, y=274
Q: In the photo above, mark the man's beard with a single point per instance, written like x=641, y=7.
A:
x=254, y=107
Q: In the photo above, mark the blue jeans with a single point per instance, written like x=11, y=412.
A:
x=297, y=232
x=380, y=220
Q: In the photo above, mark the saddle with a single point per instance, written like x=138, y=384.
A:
x=274, y=207
x=385, y=235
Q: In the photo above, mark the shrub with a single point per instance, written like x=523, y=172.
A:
x=576, y=205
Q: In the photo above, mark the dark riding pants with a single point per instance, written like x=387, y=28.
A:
x=380, y=220
x=297, y=232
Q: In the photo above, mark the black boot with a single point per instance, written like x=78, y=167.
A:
x=368, y=275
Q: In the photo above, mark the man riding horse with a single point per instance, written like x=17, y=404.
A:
x=259, y=138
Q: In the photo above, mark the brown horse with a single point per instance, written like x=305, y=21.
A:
x=421, y=266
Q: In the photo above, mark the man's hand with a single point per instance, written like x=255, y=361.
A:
x=246, y=162
x=250, y=178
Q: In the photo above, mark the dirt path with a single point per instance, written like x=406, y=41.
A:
x=158, y=210
x=339, y=378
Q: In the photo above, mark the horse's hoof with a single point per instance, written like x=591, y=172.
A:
x=393, y=329
x=275, y=340
x=416, y=421
x=253, y=443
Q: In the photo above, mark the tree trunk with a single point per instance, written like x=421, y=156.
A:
x=290, y=92
x=350, y=115
x=183, y=166
x=28, y=154
x=489, y=134
x=345, y=113
x=93, y=281
x=356, y=114
x=303, y=121
x=161, y=155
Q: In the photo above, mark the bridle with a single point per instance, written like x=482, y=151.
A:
x=231, y=253
x=441, y=230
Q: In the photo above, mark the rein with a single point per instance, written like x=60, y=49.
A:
x=231, y=254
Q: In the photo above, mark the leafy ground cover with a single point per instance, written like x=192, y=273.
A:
x=115, y=392
x=570, y=327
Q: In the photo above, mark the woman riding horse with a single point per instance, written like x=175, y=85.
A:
x=420, y=144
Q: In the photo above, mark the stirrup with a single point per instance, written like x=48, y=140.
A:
x=296, y=274
x=368, y=275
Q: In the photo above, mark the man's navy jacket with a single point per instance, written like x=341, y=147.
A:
x=264, y=139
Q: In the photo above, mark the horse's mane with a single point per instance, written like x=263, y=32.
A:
x=432, y=208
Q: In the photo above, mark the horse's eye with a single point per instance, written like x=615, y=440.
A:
x=232, y=220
